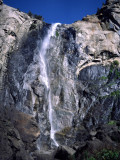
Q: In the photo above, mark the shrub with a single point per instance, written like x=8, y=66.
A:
x=71, y=157
x=33, y=26
x=57, y=34
x=98, y=10
x=38, y=17
x=116, y=63
x=103, y=155
x=103, y=78
x=112, y=122
x=91, y=158
x=115, y=93
x=114, y=69
x=30, y=14
x=103, y=4
x=108, y=155
x=35, y=16
x=18, y=9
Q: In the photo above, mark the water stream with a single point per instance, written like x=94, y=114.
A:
x=44, y=76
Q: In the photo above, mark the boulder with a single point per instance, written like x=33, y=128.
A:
x=47, y=155
x=64, y=152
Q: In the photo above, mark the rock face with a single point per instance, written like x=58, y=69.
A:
x=110, y=15
x=82, y=66
x=11, y=145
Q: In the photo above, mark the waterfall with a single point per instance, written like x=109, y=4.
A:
x=44, y=76
x=49, y=89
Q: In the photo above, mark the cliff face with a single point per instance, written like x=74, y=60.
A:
x=75, y=83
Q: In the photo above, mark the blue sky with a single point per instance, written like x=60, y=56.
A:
x=63, y=11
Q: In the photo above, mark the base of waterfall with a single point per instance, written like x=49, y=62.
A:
x=23, y=132
x=104, y=139
x=91, y=141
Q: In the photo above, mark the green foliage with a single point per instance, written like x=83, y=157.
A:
x=33, y=26
x=116, y=63
x=103, y=78
x=115, y=93
x=18, y=9
x=103, y=3
x=72, y=157
x=111, y=84
x=57, y=34
x=103, y=155
x=91, y=158
x=38, y=17
x=88, y=157
x=108, y=155
x=98, y=10
x=112, y=122
x=30, y=14
x=115, y=74
x=35, y=16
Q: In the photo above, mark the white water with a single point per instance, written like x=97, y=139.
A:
x=44, y=76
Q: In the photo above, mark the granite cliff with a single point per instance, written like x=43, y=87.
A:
x=59, y=84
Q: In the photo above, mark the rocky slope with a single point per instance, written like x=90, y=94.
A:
x=82, y=62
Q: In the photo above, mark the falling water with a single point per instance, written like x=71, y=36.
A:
x=44, y=76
